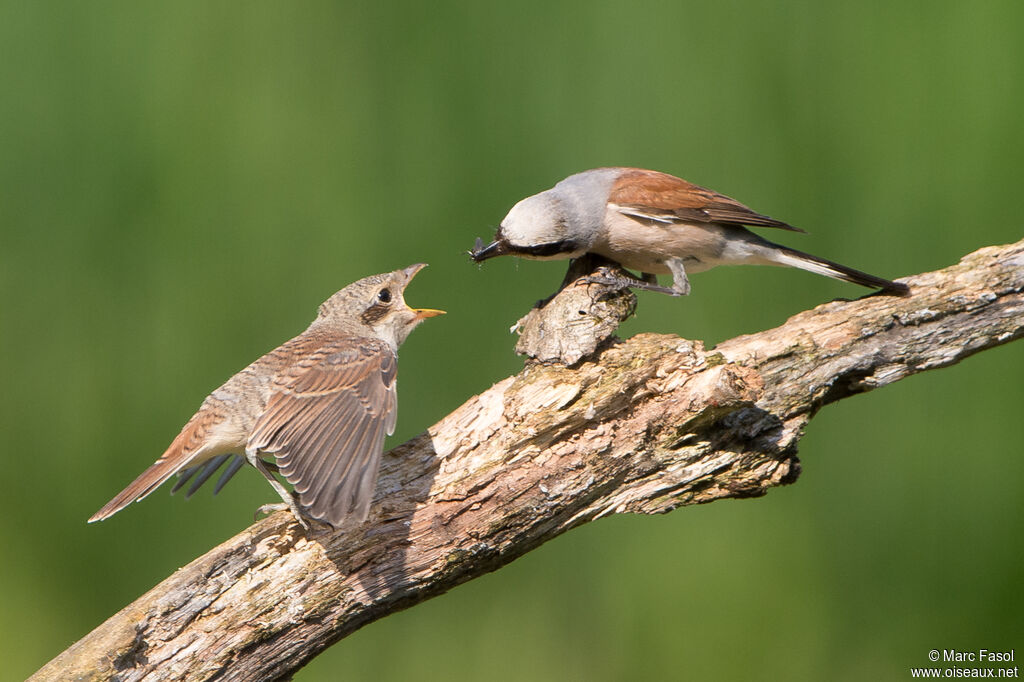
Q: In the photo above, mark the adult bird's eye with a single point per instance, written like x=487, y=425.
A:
x=384, y=296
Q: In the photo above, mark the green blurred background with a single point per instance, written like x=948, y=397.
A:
x=182, y=185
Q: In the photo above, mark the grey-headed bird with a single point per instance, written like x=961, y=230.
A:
x=653, y=223
x=320, y=405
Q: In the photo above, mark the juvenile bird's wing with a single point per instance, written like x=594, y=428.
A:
x=664, y=198
x=325, y=423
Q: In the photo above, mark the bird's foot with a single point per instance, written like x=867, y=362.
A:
x=620, y=281
x=284, y=506
x=680, y=282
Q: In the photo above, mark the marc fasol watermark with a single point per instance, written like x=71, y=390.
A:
x=980, y=663
x=975, y=656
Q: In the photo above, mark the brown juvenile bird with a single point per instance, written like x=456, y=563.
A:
x=321, y=404
x=652, y=222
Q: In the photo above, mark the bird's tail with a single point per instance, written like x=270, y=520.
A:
x=783, y=255
x=178, y=455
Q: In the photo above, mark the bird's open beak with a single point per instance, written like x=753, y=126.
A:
x=421, y=313
x=480, y=253
x=411, y=271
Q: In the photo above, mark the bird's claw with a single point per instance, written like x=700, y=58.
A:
x=282, y=506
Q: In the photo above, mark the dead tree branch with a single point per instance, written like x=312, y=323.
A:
x=644, y=425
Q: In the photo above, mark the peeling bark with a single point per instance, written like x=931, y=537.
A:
x=643, y=425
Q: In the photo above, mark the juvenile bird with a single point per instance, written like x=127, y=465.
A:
x=654, y=223
x=320, y=404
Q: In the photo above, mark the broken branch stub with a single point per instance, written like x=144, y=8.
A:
x=580, y=318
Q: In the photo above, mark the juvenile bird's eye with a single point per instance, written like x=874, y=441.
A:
x=384, y=296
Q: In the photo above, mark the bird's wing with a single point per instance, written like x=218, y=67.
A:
x=325, y=424
x=664, y=198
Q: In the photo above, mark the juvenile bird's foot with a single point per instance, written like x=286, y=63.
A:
x=286, y=497
x=283, y=506
x=270, y=508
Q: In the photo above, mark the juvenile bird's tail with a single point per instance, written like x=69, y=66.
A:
x=783, y=255
x=179, y=455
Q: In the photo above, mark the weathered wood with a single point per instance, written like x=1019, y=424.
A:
x=644, y=425
x=580, y=317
